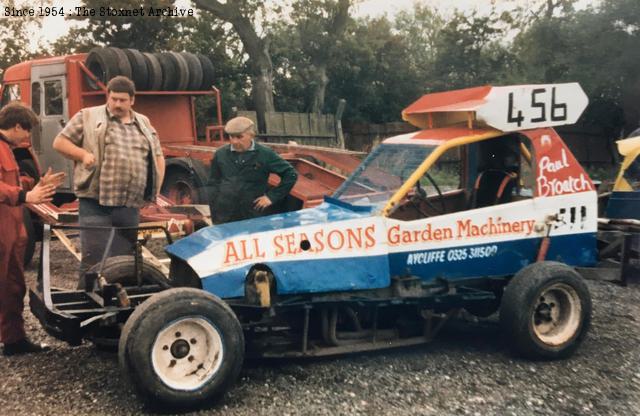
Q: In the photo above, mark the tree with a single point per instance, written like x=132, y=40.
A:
x=420, y=29
x=598, y=47
x=370, y=72
x=240, y=15
x=144, y=33
x=15, y=37
x=469, y=52
x=321, y=25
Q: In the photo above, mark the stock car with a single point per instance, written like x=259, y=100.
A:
x=483, y=208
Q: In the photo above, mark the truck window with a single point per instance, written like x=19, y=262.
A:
x=35, y=97
x=11, y=92
x=53, y=98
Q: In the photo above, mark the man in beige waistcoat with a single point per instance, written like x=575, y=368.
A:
x=118, y=167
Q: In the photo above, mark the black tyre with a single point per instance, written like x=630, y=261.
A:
x=139, y=71
x=182, y=188
x=546, y=310
x=31, y=236
x=121, y=269
x=181, y=348
x=102, y=62
x=154, y=69
x=207, y=72
x=169, y=71
x=182, y=74
x=124, y=68
x=195, y=70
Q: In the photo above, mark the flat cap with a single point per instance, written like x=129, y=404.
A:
x=238, y=125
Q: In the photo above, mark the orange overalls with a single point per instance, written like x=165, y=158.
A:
x=13, y=240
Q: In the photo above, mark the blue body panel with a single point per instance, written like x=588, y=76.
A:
x=625, y=205
x=293, y=277
x=509, y=258
x=326, y=274
x=330, y=211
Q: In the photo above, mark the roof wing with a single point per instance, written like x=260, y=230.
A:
x=510, y=108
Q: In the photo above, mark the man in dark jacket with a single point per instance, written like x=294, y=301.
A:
x=238, y=180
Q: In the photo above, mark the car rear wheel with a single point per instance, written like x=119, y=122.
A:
x=546, y=310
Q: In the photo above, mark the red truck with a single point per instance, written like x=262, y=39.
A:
x=58, y=87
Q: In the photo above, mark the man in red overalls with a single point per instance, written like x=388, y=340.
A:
x=16, y=121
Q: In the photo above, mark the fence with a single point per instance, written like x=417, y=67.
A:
x=303, y=128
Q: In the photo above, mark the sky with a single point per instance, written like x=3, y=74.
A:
x=56, y=26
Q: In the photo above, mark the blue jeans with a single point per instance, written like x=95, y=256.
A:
x=94, y=242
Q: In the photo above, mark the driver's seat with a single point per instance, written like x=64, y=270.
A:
x=493, y=186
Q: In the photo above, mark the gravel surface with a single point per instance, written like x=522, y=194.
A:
x=467, y=370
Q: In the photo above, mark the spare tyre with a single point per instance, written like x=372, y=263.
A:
x=139, y=71
x=102, y=62
x=207, y=72
x=169, y=71
x=154, y=70
x=195, y=71
x=182, y=76
x=124, y=68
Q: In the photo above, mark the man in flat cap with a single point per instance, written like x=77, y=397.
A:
x=237, y=184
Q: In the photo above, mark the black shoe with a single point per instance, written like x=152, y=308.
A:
x=23, y=346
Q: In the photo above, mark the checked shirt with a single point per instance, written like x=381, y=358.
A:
x=123, y=175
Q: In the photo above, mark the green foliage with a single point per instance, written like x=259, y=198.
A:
x=370, y=72
x=597, y=47
x=380, y=65
x=143, y=33
x=15, y=36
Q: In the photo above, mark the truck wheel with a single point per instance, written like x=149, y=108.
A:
x=181, y=348
x=102, y=63
x=546, y=310
x=195, y=70
x=169, y=71
x=181, y=188
x=124, y=68
x=139, y=71
x=207, y=72
x=182, y=75
x=154, y=69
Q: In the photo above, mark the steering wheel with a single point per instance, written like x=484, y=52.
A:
x=420, y=195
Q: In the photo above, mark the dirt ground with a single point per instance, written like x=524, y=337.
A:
x=467, y=370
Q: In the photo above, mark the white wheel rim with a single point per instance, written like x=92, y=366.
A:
x=557, y=314
x=187, y=353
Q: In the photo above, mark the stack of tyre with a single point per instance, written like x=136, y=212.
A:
x=161, y=71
